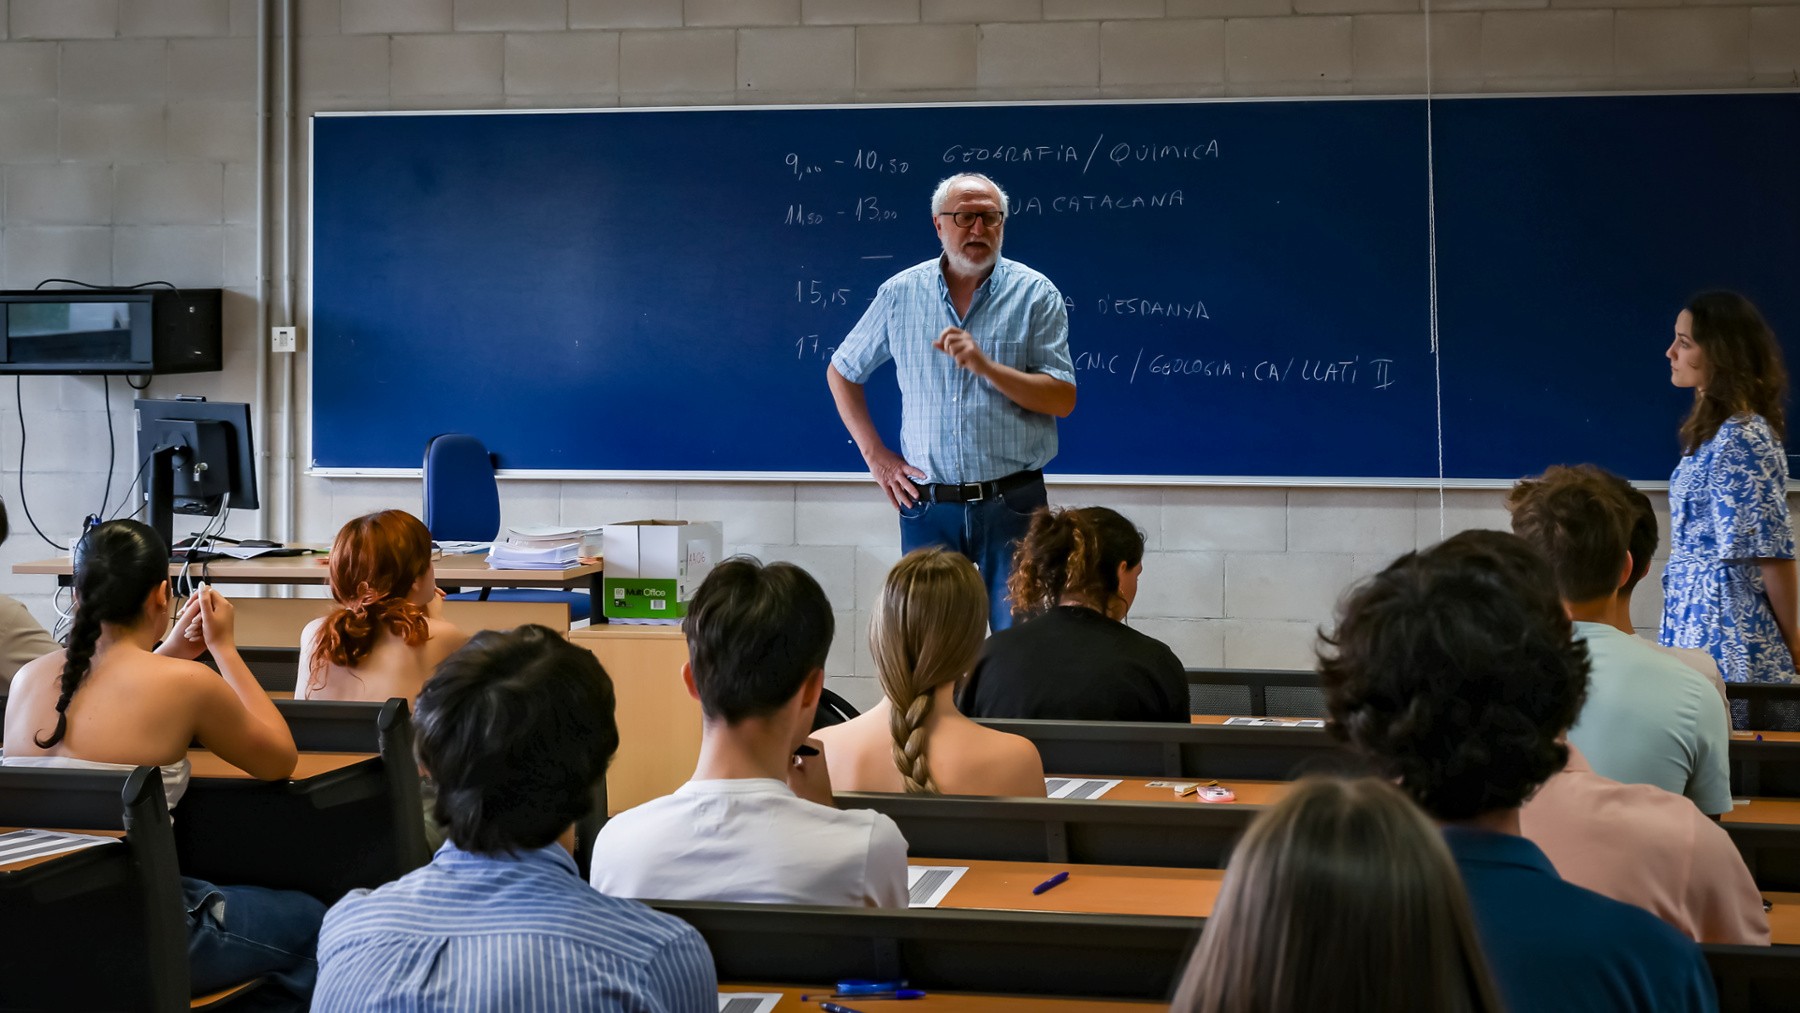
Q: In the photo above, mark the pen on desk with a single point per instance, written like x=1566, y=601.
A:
x=832, y=1007
x=893, y=993
x=1050, y=883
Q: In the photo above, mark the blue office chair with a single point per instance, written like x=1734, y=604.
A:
x=462, y=504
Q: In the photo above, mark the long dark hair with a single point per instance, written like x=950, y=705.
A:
x=117, y=565
x=1744, y=371
x=1072, y=553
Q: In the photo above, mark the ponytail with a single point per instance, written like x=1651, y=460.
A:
x=1072, y=554
x=927, y=632
x=375, y=562
x=117, y=565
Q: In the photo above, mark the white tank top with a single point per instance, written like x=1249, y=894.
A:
x=174, y=775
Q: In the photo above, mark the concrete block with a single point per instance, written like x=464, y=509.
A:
x=213, y=131
x=1162, y=52
x=1462, y=510
x=1013, y=56
x=859, y=12
x=843, y=660
x=1391, y=47
x=1290, y=646
x=1181, y=585
x=531, y=503
x=1229, y=8
x=58, y=195
x=852, y=514
x=28, y=130
x=1287, y=50
x=111, y=132
x=511, y=15
x=1356, y=6
x=863, y=693
x=906, y=57
x=1774, y=40
x=318, y=17
x=1294, y=586
x=182, y=255
x=30, y=254
x=5, y=19
x=1102, y=10
x=796, y=60
x=673, y=62
x=222, y=69
x=448, y=64
x=1647, y=600
x=240, y=256
x=27, y=70
x=1547, y=43
x=1683, y=44
x=385, y=17
x=243, y=17
x=350, y=66
x=624, y=13
x=1487, y=5
x=562, y=63
x=113, y=70
x=981, y=11
x=1237, y=520
x=703, y=13
x=1199, y=643
x=1141, y=505
x=833, y=566
x=175, y=18
x=64, y=19
x=752, y=513
x=163, y=193
x=240, y=193
x=872, y=565
x=1351, y=520
x=355, y=497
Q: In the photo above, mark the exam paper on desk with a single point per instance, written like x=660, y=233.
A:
x=928, y=885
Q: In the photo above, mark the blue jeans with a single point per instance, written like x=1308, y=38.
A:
x=236, y=933
x=986, y=531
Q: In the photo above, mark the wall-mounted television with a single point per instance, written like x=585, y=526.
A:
x=110, y=331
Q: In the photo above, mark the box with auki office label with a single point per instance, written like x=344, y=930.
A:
x=653, y=567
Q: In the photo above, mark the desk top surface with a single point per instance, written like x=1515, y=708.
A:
x=462, y=569
x=962, y=1002
x=208, y=765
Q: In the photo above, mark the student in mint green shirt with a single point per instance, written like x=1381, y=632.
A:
x=1649, y=718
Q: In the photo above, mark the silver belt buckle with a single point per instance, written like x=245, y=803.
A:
x=980, y=492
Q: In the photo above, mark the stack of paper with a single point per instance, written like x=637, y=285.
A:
x=508, y=556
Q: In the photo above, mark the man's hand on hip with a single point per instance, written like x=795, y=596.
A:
x=893, y=474
x=960, y=345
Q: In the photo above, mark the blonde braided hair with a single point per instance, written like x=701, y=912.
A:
x=927, y=632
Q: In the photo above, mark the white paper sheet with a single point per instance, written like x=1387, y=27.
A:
x=927, y=885
x=1077, y=787
x=748, y=1002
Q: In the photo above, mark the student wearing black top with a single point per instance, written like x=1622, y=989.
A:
x=1075, y=574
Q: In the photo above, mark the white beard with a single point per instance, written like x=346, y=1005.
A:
x=961, y=263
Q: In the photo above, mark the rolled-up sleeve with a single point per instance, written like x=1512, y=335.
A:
x=1049, y=338
x=865, y=348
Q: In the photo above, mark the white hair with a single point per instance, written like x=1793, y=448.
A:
x=942, y=193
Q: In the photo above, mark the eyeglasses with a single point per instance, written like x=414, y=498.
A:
x=966, y=219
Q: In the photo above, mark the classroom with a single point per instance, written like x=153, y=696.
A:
x=153, y=140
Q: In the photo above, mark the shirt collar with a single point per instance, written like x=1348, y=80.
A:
x=550, y=856
x=1000, y=265
x=1470, y=846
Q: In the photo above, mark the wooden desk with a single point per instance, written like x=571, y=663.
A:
x=659, y=723
x=1249, y=793
x=208, y=765
x=963, y=1002
x=1090, y=889
x=456, y=571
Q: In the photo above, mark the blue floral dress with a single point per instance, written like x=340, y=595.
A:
x=1727, y=509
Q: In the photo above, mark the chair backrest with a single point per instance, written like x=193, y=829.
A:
x=833, y=710
x=101, y=928
x=462, y=496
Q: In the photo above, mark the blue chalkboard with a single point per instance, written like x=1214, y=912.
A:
x=1248, y=283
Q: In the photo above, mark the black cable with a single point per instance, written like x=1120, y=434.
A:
x=19, y=402
x=133, y=386
x=112, y=513
x=83, y=284
x=112, y=443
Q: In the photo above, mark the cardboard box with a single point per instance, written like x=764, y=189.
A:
x=653, y=567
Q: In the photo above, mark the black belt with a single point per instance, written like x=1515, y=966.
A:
x=974, y=492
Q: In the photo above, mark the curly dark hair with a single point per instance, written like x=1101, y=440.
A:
x=1456, y=671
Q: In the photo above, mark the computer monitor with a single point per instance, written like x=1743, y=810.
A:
x=194, y=452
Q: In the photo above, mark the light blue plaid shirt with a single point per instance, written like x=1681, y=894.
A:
x=954, y=427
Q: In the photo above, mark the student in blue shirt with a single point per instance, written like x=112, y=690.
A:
x=516, y=728
x=1456, y=671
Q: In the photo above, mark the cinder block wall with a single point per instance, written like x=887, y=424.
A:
x=127, y=146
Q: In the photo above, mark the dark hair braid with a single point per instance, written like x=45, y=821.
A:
x=117, y=565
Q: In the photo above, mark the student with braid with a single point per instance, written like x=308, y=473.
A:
x=110, y=702
x=1075, y=575
x=387, y=633
x=925, y=637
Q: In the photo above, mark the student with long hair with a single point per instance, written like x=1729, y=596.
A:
x=387, y=633
x=1341, y=899
x=109, y=702
x=22, y=639
x=1075, y=576
x=1730, y=586
x=925, y=636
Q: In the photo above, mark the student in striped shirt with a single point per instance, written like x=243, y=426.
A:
x=516, y=728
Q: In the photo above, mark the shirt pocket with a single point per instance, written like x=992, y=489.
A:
x=1012, y=351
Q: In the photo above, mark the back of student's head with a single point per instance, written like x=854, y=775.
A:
x=376, y=561
x=117, y=565
x=754, y=634
x=1581, y=522
x=1644, y=536
x=1072, y=553
x=926, y=632
x=516, y=728
x=1343, y=899
x=1455, y=670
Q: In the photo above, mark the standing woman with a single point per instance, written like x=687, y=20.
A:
x=1730, y=586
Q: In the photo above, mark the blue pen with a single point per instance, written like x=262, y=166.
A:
x=832, y=1007
x=898, y=993
x=863, y=986
x=1047, y=884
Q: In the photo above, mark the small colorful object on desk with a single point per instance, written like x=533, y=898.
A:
x=863, y=986
x=1216, y=794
